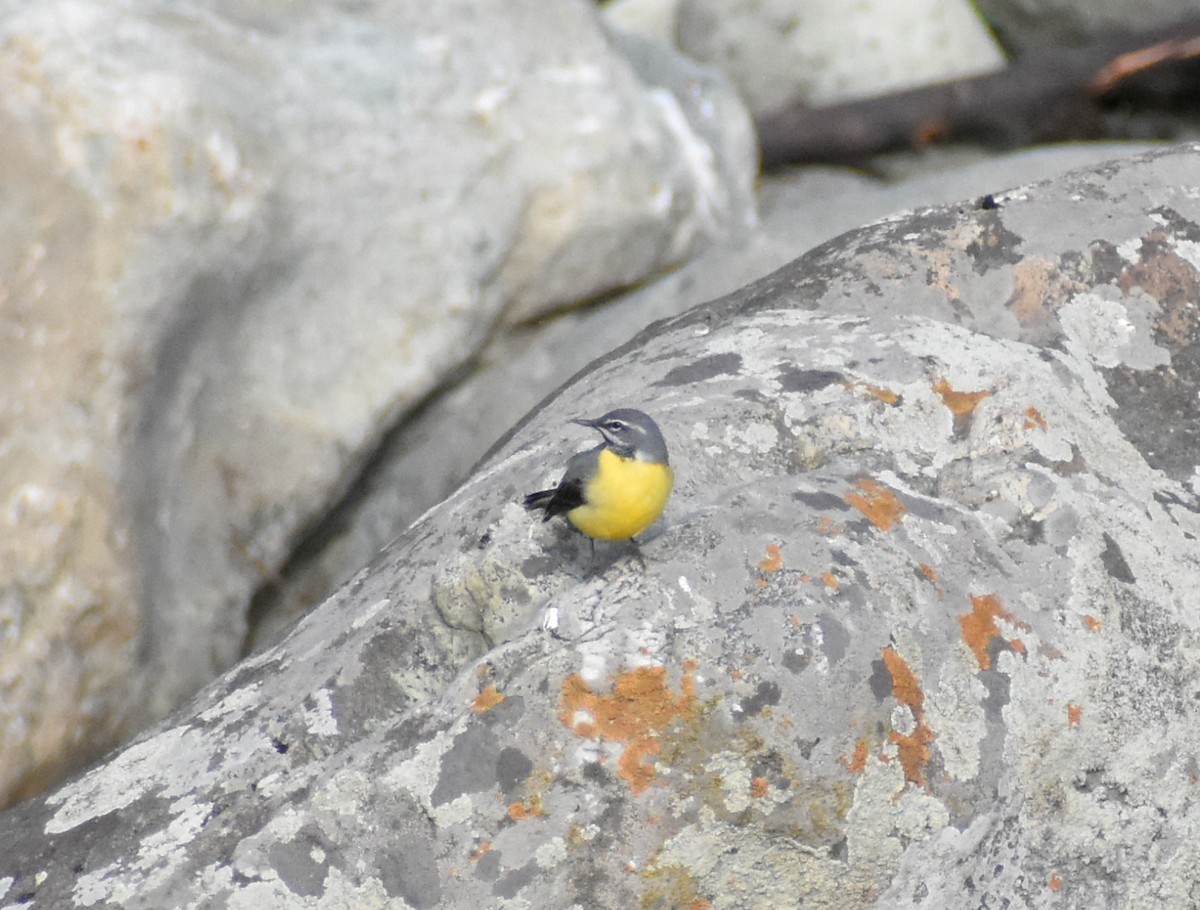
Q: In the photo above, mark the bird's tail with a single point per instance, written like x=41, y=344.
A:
x=538, y=500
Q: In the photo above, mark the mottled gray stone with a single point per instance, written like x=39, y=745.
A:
x=1009, y=711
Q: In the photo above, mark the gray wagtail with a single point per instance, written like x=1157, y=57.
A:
x=619, y=488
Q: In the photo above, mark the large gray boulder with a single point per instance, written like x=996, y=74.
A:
x=240, y=240
x=915, y=630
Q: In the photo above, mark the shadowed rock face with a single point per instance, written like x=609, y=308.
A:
x=916, y=629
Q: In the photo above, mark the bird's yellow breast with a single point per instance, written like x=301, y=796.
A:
x=623, y=497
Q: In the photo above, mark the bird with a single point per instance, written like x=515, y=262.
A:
x=618, y=489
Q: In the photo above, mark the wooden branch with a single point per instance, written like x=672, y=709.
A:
x=1044, y=95
x=1134, y=62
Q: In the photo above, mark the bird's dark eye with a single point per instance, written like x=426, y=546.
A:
x=615, y=425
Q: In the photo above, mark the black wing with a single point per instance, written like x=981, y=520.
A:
x=563, y=498
x=569, y=492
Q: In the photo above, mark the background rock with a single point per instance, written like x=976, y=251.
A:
x=779, y=52
x=239, y=242
x=915, y=631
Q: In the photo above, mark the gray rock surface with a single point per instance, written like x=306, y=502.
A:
x=780, y=52
x=238, y=241
x=916, y=630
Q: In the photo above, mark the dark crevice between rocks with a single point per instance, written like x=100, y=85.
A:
x=344, y=509
x=595, y=301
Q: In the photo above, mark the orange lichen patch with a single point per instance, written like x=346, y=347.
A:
x=828, y=527
x=887, y=396
x=1173, y=282
x=487, y=699
x=941, y=273
x=1093, y=624
x=857, y=763
x=532, y=808
x=912, y=748
x=880, y=505
x=830, y=581
x=906, y=688
x=961, y=404
x=1017, y=645
x=1074, y=714
x=1038, y=288
x=774, y=560
x=700, y=904
x=979, y=626
x=1055, y=882
x=761, y=583
x=635, y=764
x=1034, y=418
x=637, y=711
x=928, y=571
x=481, y=851
x=913, y=751
x=759, y=787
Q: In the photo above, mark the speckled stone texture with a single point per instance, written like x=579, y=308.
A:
x=917, y=629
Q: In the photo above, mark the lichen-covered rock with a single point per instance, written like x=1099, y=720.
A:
x=433, y=451
x=238, y=240
x=915, y=630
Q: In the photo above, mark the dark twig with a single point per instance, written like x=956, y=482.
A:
x=1051, y=94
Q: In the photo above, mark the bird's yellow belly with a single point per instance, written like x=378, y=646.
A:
x=623, y=498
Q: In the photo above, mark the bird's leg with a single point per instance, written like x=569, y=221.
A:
x=637, y=551
x=592, y=562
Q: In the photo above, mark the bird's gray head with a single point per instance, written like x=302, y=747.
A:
x=631, y=434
